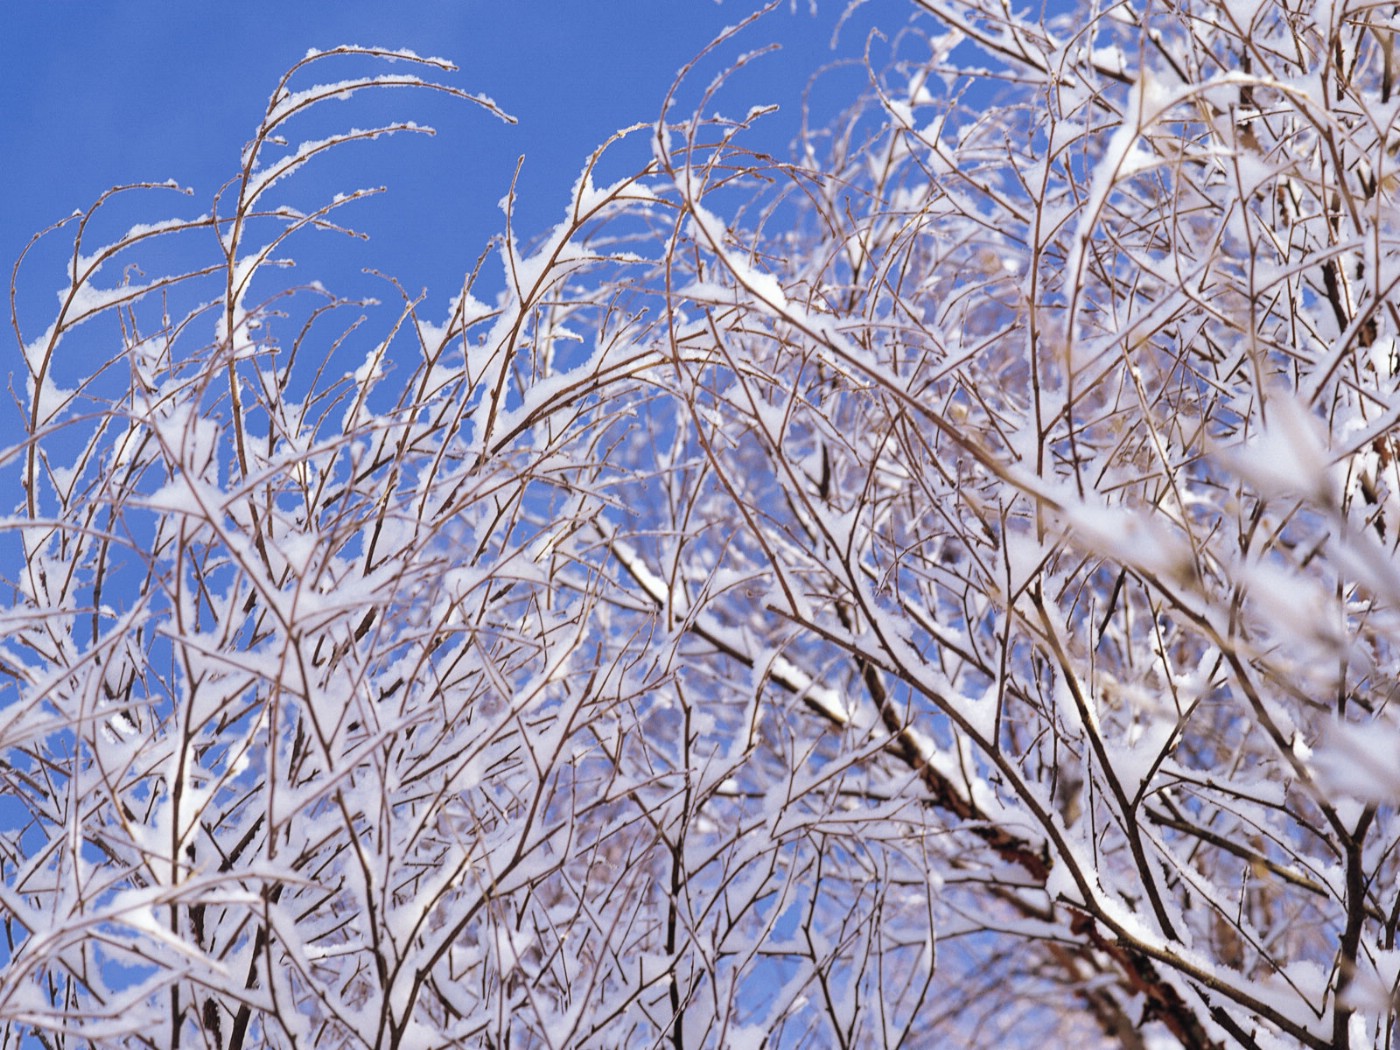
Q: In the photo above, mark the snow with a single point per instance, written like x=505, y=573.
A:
x=1360, y=762
x=1130, y=537
x=708, y=228
x=1242, y=12
x=37, y=351
x=49, y=400
x=1110, y=58
x=1060, y=884
x=387, y=54
x=1288, y=456
x=268, y=173
x=340, y=90
x=180, y=496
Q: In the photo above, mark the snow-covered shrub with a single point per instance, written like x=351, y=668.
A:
x=936, y=590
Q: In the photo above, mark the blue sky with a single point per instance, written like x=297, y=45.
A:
x=100, y=93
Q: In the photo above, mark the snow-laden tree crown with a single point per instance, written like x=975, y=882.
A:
x=934, y=586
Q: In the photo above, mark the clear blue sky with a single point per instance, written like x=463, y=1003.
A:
x=98, y=92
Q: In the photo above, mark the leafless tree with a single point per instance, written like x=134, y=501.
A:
x=938, y=589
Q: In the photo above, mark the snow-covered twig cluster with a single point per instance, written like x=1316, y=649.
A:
x=941, y=590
